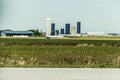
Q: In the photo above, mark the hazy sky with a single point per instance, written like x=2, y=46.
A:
x=95, y=15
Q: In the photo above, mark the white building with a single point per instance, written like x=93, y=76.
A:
x=95, y=33
x=48, y=28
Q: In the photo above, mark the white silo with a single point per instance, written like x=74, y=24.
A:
x=48, y=28
x=72, y=31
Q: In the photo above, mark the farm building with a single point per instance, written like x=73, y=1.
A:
x=95, y=33
x=16, y=33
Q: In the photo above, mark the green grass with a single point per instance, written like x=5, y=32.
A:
x=67, y=53
x=61, y=56
x=66, y=42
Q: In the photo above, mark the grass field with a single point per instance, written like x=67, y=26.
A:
x=69, y=53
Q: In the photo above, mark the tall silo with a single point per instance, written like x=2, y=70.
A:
x=52, y=28
x=78, y=27
x=67, y=28
x=72, y=30
x=48, y=29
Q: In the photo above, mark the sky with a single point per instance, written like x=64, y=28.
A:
x=95, y=15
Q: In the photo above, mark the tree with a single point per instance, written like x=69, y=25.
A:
x=36, y=32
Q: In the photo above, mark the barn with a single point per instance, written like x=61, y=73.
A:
x=16, y=33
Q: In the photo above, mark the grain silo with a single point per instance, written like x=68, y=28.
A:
x=72, y=31
x=47, y=27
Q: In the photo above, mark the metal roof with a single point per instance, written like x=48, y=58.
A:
x=19, y=32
